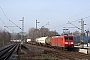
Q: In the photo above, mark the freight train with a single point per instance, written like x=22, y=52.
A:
x=56, y=41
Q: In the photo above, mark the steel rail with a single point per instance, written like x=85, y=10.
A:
x=6, y=53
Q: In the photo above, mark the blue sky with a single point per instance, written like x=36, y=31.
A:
x=56, y=12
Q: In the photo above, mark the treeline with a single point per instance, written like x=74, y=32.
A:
x=5, y=37
x=35, y=33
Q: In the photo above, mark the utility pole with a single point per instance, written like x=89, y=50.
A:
x=82, y=33
x=36, y=27
x=22, y=27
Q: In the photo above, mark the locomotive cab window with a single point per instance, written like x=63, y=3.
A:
x=68, y=38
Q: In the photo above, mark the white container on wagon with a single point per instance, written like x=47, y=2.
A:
x=28, y=40
x=41, y=40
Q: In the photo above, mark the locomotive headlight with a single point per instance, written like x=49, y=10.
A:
x=66, y=42
x=72, y=43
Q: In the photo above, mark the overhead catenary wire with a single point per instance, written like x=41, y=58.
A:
x=64, y=24
x=86, y=17
x=4, y=23
x=15, y=24
x=78, y=14
x=51, y=28
x=88, y=27
x=74, y=20
x=4, y=13
x=58, y=26
x=74, y=25
x=71, y=21
x=9, y=19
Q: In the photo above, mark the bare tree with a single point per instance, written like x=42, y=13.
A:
x=76, y=33
x=4, y=37
x=31, y=33
x=40, y=33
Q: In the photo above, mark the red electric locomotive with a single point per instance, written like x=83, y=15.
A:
x=60, y=41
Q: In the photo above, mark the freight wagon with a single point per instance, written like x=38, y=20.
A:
x=57, y=41
x=41, y=41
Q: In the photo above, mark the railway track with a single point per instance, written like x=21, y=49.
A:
x=68, y=55
x=8, y=51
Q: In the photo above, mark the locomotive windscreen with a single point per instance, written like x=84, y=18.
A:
x=68, y=38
